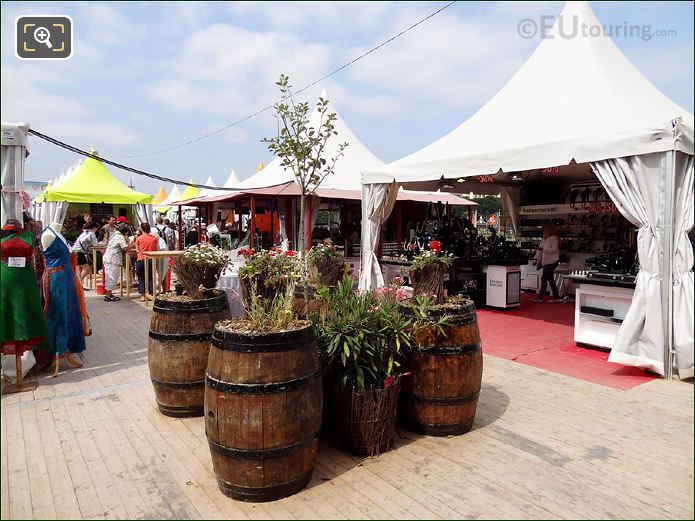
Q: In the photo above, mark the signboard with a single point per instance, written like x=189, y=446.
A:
x=562, y=209
x=492, y=220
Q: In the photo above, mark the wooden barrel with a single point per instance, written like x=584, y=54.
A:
x=440, y=397
x=178, y=349
x=263, y=403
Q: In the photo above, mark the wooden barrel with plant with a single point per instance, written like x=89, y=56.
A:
x=440, y=395
x=263, y=403
x=180, y=332
x=181, y=329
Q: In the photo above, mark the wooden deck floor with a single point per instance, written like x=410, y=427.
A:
x=90, y=444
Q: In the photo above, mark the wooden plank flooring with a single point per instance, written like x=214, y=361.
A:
x=90, y=444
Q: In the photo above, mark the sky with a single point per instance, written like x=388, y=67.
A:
x=147, y=76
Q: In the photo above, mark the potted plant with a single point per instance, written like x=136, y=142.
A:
x=427, y=271
x=181, y=328
x=445, y=357
x=326, y=267
x=268, y=273
x=364, y=337
x=263, y=396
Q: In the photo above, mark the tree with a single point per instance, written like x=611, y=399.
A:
x=302, y=147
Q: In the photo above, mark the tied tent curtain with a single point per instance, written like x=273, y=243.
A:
x=511, y=196
x=377, y=203
x=683, y=265
x=282, y=222
x=635, y=185
x=143, y=213
x=14, y=151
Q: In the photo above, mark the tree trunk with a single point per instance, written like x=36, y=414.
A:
x=301, y=236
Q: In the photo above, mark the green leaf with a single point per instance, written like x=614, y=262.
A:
x=346, y=349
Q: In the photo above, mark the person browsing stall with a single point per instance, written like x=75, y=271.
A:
x=83, y=247
x=547, y=258
x=143, y=243
x=113, y=260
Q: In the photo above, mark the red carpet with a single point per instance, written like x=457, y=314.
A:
x=542, y=335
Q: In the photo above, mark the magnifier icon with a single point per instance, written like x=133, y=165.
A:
x=43, y=35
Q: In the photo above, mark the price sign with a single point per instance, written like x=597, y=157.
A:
x=17, y=262
x=595, y=207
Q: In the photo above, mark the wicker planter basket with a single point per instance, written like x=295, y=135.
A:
x=366, y=418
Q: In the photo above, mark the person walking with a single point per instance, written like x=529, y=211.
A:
x=547, y=258
x=143, y=243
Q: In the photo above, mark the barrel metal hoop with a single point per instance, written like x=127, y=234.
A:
x=231, y=345
x=259, y=388
x=454, y=400
x=262, y=454
x=451, y=350
x=197, y=384
x=182, y=311
x=262, y=494
x=433, y=429
x=180, y=338
x=181, y=412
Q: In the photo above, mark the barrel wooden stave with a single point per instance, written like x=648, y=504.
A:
x=178, y=350
x=440, y=397
x=263, y=435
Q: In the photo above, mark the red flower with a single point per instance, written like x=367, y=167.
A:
x=388, y=382
x=435, y=246
x=290, y=253
x=246, y=252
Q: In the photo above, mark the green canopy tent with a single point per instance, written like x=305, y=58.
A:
x=90, y=183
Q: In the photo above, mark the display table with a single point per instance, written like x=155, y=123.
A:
x=155, y=257
x=600, y=307
x=502, y=285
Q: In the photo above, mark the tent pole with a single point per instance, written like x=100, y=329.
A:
x=399, y=224
x=180, y=230
x=252, y=235
x=669, y=219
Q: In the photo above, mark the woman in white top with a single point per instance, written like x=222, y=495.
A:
x=547, y=258
x=83, y=247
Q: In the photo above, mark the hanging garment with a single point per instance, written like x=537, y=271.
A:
x=62, y=301
x=22, y=320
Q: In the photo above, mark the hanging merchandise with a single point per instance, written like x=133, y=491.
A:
x=22, y=321
x=64, y=300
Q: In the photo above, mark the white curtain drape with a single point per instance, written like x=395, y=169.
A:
x=282, y=220
x=377, y=203
x=683, y=265
x=635, y=184
x=53, y=212
x=511, y=197
x=14, y=151
x=143, y=213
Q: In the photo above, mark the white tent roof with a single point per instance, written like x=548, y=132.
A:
x=205, y=191
x=232, y=181
x=174, y=195
x=346, y=175
x=574, y=98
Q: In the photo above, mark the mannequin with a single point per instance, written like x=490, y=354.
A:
x=63, y=302
x=23, y=324
x=47, y=237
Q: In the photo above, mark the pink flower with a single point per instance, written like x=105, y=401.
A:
x=398, y=280
x=383, y=290
x=401, y=294
x=388, y=381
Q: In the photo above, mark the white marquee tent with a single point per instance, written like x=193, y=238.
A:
x=578, y=103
